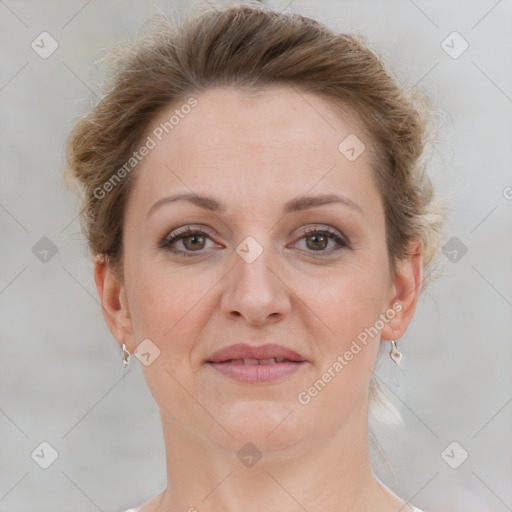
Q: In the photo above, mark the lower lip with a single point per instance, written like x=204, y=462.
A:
x=254, y=373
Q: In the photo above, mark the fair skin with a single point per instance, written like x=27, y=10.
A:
x=253, y=153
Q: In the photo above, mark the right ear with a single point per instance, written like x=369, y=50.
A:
x=112, y=295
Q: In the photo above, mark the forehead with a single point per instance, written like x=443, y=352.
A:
x=233, y=144
x=277, y=116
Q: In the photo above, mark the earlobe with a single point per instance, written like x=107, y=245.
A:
x=112, y=295
x=407, y=287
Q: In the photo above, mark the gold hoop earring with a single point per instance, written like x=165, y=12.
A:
x=126, y=356
x=395, y=354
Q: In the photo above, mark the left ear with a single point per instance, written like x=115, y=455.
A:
x=407, y=288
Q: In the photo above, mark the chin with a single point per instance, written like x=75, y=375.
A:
x=269, y=425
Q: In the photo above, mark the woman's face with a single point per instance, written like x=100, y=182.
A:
x=265, y=262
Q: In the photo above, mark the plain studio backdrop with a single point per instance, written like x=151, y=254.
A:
x=61, y=380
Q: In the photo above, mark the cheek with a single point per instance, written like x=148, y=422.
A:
x=171, y=311
x=161, y=306
x=347, y=340
x=350, y=341
x=348, y=303
x=170, y=306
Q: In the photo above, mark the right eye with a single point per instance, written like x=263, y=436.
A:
x=192, y=240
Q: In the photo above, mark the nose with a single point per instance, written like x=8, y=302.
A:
x=255, y=291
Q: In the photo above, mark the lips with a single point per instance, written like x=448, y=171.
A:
x=242, y=353
x=256, y=364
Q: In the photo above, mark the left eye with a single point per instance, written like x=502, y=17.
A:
x=320, y=239
x=193, y=241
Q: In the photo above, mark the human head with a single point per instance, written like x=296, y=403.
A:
x=254, y=50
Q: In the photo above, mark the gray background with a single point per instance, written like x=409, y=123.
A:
x=61, y=380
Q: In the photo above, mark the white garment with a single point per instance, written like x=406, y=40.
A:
x=135, y=510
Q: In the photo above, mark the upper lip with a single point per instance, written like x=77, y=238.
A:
x=245, y=351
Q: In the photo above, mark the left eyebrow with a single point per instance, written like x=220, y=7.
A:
x=294, y=205
x=303, y=203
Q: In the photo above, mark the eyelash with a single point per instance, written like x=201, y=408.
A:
x=167, y=242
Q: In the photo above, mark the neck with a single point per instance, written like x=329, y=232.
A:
x=330, y=474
